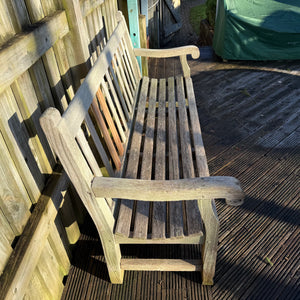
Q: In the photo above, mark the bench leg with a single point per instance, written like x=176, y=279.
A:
x=209, y=248
x=112, y=255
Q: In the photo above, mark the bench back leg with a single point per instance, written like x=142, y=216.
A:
x=209, y=248
x=112, y=256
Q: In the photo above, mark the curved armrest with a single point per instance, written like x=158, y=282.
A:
x=182, y=52
x=172, y=52
x=205, y=188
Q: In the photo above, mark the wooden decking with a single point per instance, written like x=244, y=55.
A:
x=249, y=113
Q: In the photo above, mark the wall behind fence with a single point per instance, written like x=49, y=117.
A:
x=46, y=49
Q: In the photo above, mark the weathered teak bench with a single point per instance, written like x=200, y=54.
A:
x=146, y=133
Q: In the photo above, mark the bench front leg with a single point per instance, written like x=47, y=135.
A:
x=209, y=248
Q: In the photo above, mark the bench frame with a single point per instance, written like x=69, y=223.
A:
x=67, y=139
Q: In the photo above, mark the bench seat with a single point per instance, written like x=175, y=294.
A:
x=145, y=135
x=163, y=146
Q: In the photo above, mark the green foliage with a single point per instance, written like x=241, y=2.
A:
x=197, y=14
x=211, y=11
x=201, y=12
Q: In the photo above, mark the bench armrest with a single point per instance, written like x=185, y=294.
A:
x=169, y=190
x=182, y=52
x=165, y=53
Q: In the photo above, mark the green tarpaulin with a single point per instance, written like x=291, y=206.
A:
x=257, y=29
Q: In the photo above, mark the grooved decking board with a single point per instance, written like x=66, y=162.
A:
x=256, y=139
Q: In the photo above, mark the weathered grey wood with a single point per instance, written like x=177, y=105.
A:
x=146, y=115
x=193, y=219
x=142, y=208
x=76, y=42
x=24, y=50
x=125, y=212
x=159, y=218
x=184, y=50
x=115, y=116
x=175, y=209
x=168, y=190
x=30, y=111
x=78, y=171
x=116, y=108
x=14, y=200
x=16, y=139
x=161, y=265
x=22, y=263
x=88, y=6
x=99, y=146
x=85, y=94
x=200, y=155
x=194, y=239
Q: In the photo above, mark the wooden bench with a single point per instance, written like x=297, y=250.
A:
x=144, y=134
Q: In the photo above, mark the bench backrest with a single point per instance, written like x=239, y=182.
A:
x=93, y=130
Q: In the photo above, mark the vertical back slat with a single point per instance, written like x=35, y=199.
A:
x=127, y=108
x=114, y=113
x=88, y=154
x=118, y=102
x=109, y=120
x=122, y=76
x=102, y=126
x=99, y=146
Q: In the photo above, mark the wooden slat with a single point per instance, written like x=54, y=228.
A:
x=175, y=209
x=28, y=104
x=106, y=135
x=99, y=146
x=92, y=39
x=126, y=67
x=109, y=121
x=122, y=78
x=14, y=200
x=142, y=207
x=125, y=212
x=193, y=239
x=159, y=221
x=100, y=37
x=114, y=106
x=88, y=6
x=201, y=161
x=203, y=188
x=127, y=108
x=85, y=94
x=88, y=154
x=193, y=220
x=24, y=50
x=16, y=139
x=119, y=103
x=134, y=78
x=174, y=265
x=22, y=263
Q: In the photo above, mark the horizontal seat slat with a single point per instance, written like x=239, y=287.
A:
x=142, y=207
x=193, y=220
x=159, y=221
x=175, y=208
x=174, y=220
x=200, y=155
x=126, y=207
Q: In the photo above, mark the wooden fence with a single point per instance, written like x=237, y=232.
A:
x=46, y=49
